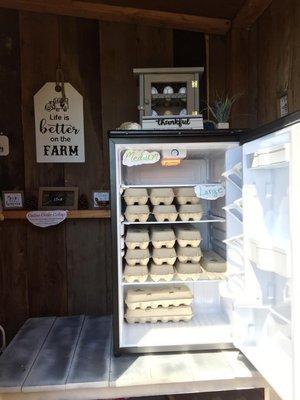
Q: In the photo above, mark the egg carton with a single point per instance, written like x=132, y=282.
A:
x=164, y=272
x=164, y=255
x=137, y=256
x=158, y=297
x=135, y=196
x=165, y=213
x=189, y=254
x=162, y=237
x=186, y=195
x=188, y=236
x=137, y=238
x=189, y=271
x=169, y=314
x=161, y=196
x=137, y=213
x=190, y=212
x=212, y=262
x=137, y=273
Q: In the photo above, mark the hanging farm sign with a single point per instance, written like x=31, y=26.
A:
x=59, y=128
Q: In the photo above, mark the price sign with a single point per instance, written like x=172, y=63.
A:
x=210, y=191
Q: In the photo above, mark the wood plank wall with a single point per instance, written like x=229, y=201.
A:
x=66, y=269
x=264, y=63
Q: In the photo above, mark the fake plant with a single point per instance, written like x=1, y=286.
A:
x=221, y=107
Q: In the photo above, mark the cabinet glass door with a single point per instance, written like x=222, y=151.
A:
x=266, y=317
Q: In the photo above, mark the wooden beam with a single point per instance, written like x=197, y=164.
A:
x=106, y=12
x=249, y=13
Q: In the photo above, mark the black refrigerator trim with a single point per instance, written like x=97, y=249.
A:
x=274, y=126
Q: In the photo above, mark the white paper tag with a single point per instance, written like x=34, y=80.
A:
x=43, y=219
x=210, y=191
x=4, y=145
x=140, y=157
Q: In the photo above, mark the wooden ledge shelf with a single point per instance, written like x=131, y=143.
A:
x=72, y=214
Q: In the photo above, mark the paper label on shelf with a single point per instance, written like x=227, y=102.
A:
x=43, y=219
x=210, y=191
x=140, y=157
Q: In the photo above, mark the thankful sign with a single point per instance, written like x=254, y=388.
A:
x=59, y=128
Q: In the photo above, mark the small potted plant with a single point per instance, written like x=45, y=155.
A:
x=221, y=108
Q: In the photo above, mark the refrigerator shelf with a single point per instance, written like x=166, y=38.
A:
x=274, y=157
x=215, y=277
x=234, y=176
x=171, y=185
x=233, y=210
x=206, y=219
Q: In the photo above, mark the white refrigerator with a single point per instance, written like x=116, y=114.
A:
x=255, y=227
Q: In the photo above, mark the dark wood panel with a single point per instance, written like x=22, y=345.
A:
x=39, y=58
x=87, y=268
x=47, y=273
x=13, y=276
x=11, y=166
x=216, y=8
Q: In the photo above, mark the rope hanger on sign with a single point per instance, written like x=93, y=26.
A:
x=60, y=79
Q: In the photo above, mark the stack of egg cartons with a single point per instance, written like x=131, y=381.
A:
x=188, y=238
x=163, y=304
x=137, y=239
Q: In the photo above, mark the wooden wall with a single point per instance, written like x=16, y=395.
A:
x=265, y=63
x=64, y=269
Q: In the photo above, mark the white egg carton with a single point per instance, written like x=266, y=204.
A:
x=171, y=313
x=190, y=212
x=161, y=196
x=164, y=272
x=135, y=196
x=188, y=236
x=158, y=297
x=165, y=213
x=164, y=255
x=189, y=271
x=189, y=254
x=162, y=237
x=186, y=195
x=137, y=256
x=137, y=238
x=212, y=262
x=137, y=273
x=137, y=213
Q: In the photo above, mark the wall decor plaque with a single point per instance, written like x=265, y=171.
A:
x=43, y=219
x=13, y=200
x=59, y=127
x=58, y=198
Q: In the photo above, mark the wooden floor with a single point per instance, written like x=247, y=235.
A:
x=71, y=358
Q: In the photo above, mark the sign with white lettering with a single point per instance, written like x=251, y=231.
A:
x=210, y=191
x=59, y=128
x=140, y=157
x=4, y=145
x=43, y=219
x=173, y=122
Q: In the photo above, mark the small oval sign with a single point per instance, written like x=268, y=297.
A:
x=210, y=191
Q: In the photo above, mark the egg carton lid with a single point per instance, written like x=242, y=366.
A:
x=189, y=251
x=185, y=192
x=164, y=269
x=173, y=311
x=135, y=192
x=137, y=210
x=137, y=235
x=188, y=268
x=137, y=254
x=164, y=209
x=190, y=208
x=161, y=192
x=164, y=253
x=186, y=232
x=162, y=233
x=158, y=293
x=135, y=270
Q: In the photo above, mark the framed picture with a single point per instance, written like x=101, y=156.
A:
x=13, y=200
x=58, y=198
x=100, y=199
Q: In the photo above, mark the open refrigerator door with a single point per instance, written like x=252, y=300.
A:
x=264, y=316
